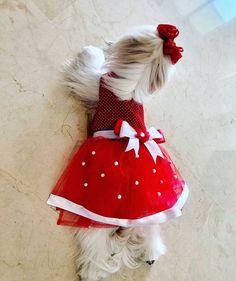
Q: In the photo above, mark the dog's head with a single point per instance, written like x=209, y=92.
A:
x=141, y=63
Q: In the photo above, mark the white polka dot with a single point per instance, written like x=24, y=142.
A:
x=142, y=134
x=161, y=181
x=136, y=182
x=175, y=176
x=119, y=196
x=137, y=156
x=85, y=184
x=102, y=175
x=116, y=163
x=159, y=193
x=83, y=163
x=154, y=171
x=93, y=152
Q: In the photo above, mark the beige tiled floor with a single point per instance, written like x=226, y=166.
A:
x=40, y=126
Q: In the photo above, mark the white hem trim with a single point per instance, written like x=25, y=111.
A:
x=175, y=211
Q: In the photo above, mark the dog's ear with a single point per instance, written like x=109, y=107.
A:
x=160, y=70
x=82, y=75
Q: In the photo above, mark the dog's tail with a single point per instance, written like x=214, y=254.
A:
x=82, y=75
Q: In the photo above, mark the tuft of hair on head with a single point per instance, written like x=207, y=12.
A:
x=139, y=65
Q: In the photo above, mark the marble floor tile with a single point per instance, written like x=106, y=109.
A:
x=40, y=125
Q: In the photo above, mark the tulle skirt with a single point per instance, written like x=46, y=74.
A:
x=104, y=186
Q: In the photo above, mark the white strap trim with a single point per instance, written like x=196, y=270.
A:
x=175, y=211
x=106, y=134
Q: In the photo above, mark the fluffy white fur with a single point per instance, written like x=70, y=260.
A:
x=104, y=251
x=142, y=70
x=82, y=75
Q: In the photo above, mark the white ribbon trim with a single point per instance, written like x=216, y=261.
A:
x=106, y=134
x=175, y=211
x=127, y=131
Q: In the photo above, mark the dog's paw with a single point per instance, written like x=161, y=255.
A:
x=151, y=262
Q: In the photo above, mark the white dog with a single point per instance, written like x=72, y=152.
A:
x=141, y=70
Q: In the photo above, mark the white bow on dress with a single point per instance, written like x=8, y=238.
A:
x=134, y=140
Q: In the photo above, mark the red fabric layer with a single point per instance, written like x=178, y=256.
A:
x=110, y=108
x=108, y=181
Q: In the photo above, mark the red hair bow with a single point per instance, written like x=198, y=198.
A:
x=168, y=33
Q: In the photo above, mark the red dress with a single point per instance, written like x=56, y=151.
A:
x=121, y=176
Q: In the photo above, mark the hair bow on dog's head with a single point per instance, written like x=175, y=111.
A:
x=168, y=33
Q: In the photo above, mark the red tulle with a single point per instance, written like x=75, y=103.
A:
x=110, y=182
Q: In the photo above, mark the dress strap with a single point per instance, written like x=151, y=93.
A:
x=106, y=134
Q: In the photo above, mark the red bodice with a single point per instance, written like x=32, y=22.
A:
x=110, y=109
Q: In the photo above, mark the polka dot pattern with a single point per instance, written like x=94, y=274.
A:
x=108, y=181
x=110, y=108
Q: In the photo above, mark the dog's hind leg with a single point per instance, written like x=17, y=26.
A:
x=97, y=253
x=143, y=245
x=153, y=245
